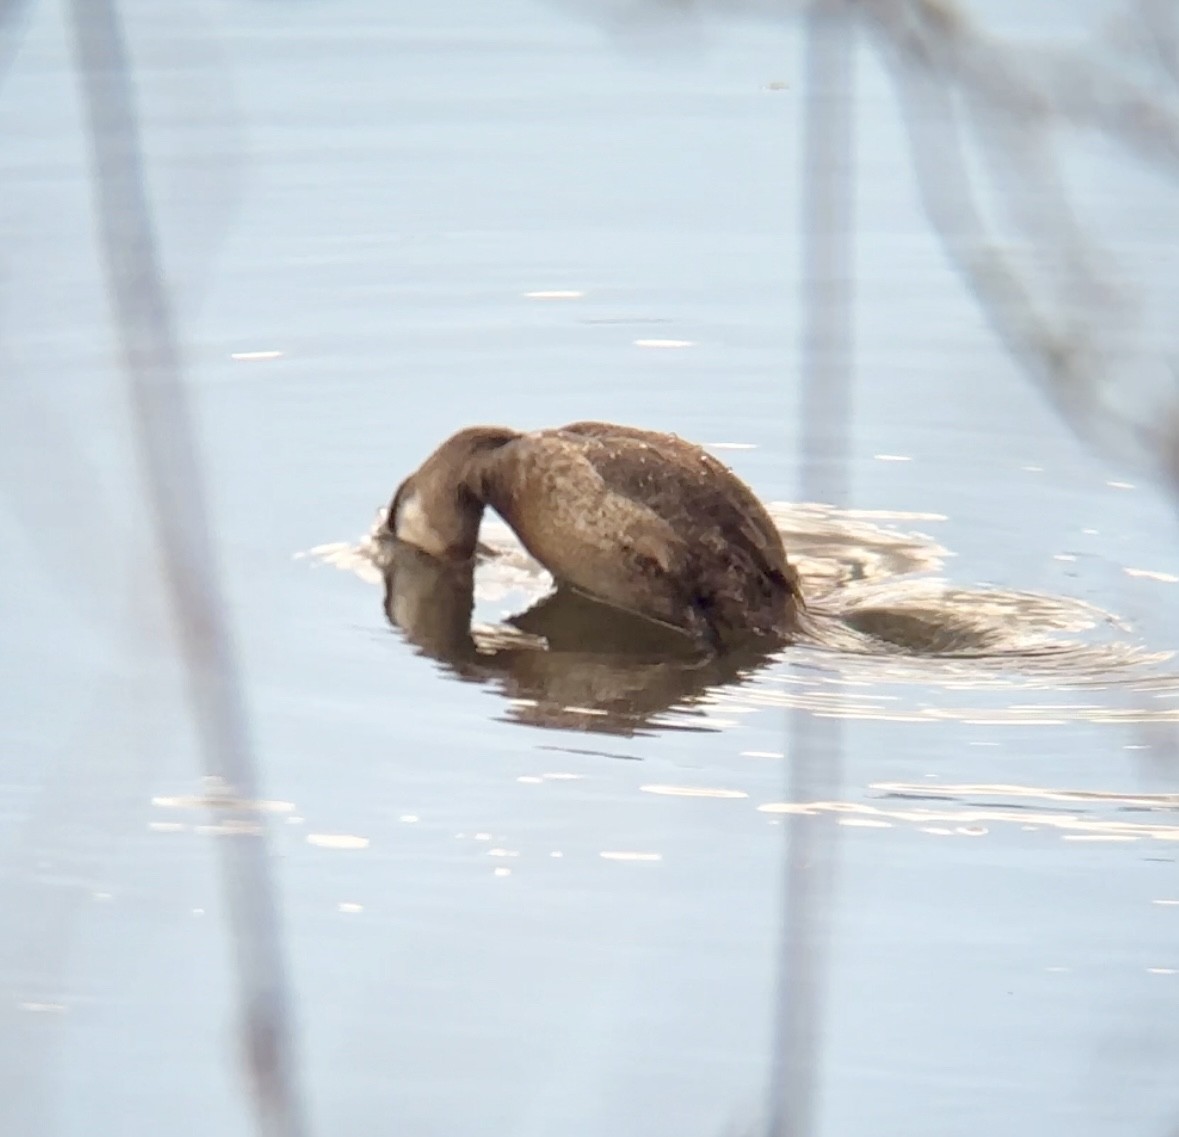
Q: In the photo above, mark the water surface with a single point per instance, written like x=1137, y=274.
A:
x=384, y=223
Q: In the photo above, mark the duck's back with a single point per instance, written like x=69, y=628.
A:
x=647, y=522
x=697, y=494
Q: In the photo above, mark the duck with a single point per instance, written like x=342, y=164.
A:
x=634, y=519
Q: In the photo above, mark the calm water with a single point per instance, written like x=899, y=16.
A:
x=494, y=927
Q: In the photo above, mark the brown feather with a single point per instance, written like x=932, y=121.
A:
x=643, y=521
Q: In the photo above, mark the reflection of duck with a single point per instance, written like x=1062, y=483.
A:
x=642, y=521
x=570, y=664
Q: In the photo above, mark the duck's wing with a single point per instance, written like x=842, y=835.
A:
x=699, y=496
x=592, y=530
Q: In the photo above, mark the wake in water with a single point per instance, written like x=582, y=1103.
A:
x=883, y=638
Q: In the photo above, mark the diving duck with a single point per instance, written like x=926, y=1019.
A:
x=636, y=519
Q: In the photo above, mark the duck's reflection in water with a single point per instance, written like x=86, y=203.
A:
x=881, y=637
x=567, y=662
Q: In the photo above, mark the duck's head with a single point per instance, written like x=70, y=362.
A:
x=439, y=506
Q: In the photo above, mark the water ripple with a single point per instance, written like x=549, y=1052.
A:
x=884, y=638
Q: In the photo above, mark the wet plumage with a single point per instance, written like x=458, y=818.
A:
x=637, y=519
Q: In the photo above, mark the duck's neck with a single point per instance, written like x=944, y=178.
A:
x=438, y=508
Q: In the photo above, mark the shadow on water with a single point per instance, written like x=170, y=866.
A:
x=882, y=636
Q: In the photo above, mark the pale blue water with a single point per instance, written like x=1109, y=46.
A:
x=371, y=190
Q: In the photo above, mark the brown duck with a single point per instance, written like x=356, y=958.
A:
x=636, y=519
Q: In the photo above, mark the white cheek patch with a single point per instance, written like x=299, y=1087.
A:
x=404, y=611
x=412, y=526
